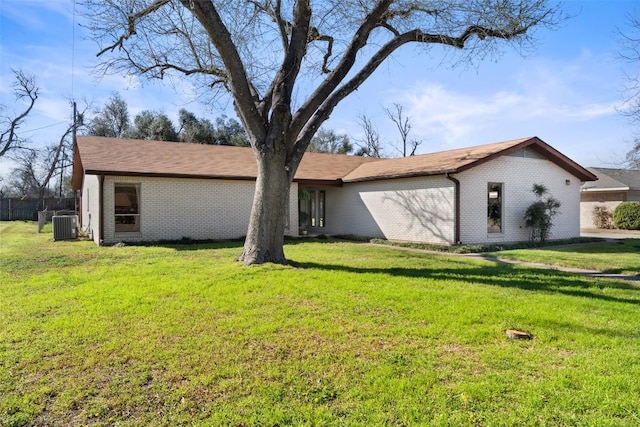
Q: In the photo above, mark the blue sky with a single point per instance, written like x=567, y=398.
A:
x=567, y=91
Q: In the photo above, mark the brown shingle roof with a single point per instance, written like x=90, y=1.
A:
x=461, y=159
x=613, y=179
x=112, y=156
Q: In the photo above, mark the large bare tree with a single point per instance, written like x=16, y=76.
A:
x=36, y=169
x=288, y=63
x=630, y=52
x=24, y=89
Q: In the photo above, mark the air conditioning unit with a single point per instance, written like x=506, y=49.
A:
x=65, y=227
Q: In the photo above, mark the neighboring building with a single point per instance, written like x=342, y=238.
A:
x=613, y=187
x=134, y=190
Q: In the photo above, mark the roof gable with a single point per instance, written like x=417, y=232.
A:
x=459, y=160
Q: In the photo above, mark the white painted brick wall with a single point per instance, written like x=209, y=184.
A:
x=518, y=176
x=412, y=209
x=90, y=217
x=172, y=209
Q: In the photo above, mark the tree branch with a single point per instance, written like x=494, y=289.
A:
x=284, y=27
x=286, y=76
x=24, y=87
x=416, y=35
x=243, y=94
x=317, y=98
x=56, y=156
x=131, y=31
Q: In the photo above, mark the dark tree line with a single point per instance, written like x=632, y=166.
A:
x=113, y=120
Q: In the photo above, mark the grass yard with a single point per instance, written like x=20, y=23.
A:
x=621, y=257
x=355, y=335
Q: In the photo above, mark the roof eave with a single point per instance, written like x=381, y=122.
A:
x=319, y=182
x=169, y=175
x=400, y=176
x=603, y=190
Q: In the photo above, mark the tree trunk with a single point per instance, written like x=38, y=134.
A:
x=265, y=234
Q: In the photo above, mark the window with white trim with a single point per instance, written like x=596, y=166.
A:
x=127, y=207
x=494, y=207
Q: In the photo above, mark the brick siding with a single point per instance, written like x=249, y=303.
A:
x=173, y=209
x=518, y=176
x=413, y=209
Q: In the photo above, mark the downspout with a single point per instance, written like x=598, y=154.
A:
x=456, y=208
x=101, y=209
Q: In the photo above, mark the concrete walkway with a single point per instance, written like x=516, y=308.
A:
x=610, y=234
x=579, y=271
x=486, y=257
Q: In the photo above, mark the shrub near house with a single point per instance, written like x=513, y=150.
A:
x=602, y=217
x=627, y=216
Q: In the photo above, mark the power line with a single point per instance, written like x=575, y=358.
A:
x=43, y=127
x=73, y=52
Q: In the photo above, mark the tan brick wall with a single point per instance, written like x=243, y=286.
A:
x=589, y=200
x=518, y=176
x=633, y=196
x=172, y=209
x=603, y=197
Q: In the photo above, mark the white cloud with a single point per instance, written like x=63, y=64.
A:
x=53, y=110
x=540, y=95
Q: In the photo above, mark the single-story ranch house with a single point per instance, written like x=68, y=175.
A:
x=134, y=190
x=613, y=187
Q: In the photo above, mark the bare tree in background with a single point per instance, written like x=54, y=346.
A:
x=404, y=128
x=37, y=168
x=630, y=52
x=369, y=145
x=24, y=89
x=264, y=52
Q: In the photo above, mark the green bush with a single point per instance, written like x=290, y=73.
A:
x=627, y=216
x=539, y=216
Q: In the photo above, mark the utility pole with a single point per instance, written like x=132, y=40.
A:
x=73, y=139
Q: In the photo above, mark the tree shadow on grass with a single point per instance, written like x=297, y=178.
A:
x=186, y=244
x=193, y=245
x=501, y=275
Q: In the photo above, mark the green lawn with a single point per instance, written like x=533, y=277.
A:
x=354, y=335
x=618, y=257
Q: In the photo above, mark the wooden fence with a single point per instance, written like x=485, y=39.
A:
x=15, y=208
